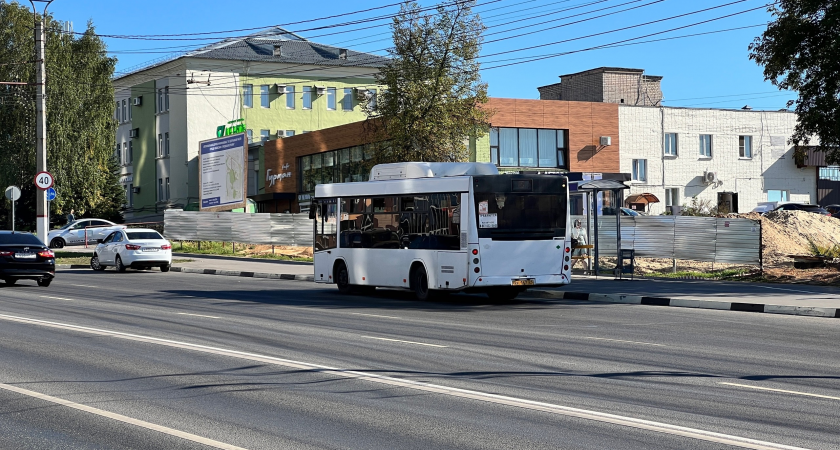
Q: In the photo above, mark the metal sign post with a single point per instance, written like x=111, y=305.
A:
x=13, y=194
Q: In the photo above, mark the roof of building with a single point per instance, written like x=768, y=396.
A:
x=294, y=49
x=613, y=70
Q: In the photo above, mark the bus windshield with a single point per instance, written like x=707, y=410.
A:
x=517, y=207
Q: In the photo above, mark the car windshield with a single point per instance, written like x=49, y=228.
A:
x=811, y=208
x=20, y=238
x=140, y=235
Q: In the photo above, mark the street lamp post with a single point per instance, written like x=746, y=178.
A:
x=42, y=211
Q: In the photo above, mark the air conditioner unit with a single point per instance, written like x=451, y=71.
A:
x=281, y=88
x=138, y=100
x=320, y=90
x=135, y=189
x=280, y=133
x=134, y=132
x=710, y=177
x=362, y=93
x=606, y=141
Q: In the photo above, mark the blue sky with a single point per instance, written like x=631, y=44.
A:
x=711, y=70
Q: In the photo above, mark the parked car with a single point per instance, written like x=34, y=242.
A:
x=764, y=208
x=834, y=210
x=24, y=257
x=629, y=212
x=137, y=248
x=802, y=207
x=74, y=233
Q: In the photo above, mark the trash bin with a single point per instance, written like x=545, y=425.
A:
x=626, y=262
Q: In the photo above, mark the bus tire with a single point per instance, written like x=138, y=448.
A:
x=420, y=284
x=503, y=294
x=342, y=278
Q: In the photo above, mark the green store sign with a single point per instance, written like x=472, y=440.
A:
x=233, y=127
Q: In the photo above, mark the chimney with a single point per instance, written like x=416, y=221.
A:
x=342, y=53
x=278, y=50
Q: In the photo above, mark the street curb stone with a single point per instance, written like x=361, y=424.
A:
x=230, y=273
x=686, y=303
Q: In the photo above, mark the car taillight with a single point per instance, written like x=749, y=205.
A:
x=165, y=247
x=132, y=247
x=5, y=253
x=46, y=254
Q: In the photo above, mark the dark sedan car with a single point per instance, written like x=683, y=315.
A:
x=802, y=207
x=24, y=257
x=834, y=210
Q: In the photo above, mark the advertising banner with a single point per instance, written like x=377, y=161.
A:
x=222, y=173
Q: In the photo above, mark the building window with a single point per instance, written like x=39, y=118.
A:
x=248, y=96
x=528, y=147
x=124, y=111
x=639, y=170
x=706, y=145
x=290, y=97
x=119, y=154
x=130, y=114
x=166, y=144
x=160, y=189
x=264, y=135
x=347, y=100
x=774, y=195
x=371, y=99
x=264, y=96
x=160, y=145
x=671, y=144
x=166, y=97
x=830, y=173
x=331, y=99
x=290, y=133
x=745, y=146
x=307, y=97
x=117, y=113
x=336, y=166
x=130, y=155
x=160, y=100
x=167, y=188
x=672, y=197
x=250, y=134
x=129, y=195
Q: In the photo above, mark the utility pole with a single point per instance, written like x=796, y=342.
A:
x=42, y=211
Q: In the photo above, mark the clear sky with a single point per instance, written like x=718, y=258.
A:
x=710, y=70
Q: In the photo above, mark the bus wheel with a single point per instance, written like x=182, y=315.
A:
x=503, y=294
x=342, y=278
x=420, y=284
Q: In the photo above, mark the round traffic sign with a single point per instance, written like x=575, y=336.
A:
x=43, y=180
x=13, y=193
x=51, y=194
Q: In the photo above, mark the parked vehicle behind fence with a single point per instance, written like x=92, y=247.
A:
x=81, y=231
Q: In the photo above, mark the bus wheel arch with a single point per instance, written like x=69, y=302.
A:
x=341, y=276
x=419, y=281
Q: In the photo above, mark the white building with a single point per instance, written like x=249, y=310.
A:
x=681, y=153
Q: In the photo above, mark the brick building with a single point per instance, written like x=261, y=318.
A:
x=607, y=85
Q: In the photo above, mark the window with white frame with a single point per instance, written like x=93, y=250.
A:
x=166, y=97
x=160, y=189
x=124, y=111
x=290, y=97
x=347, y=100
x=130, y=114
x=706, y=145
x=119, y=154
x=129, y=194
x=264, y=134
x=290, y=133
x=250, y=134
x=167, y=188
x=745, y=146
x=117, y=114
x=160, y=145
x=248, y=95
x=264, y=100
x=639, y=170
x=778, y=195
x=331, y=99
x=672, y=197
x=160, y=100
x=671, y=144
x=307, y=97
x=130, y=156
x=166, y=144
x=371, y=99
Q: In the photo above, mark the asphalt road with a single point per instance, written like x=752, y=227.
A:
x=153, y=360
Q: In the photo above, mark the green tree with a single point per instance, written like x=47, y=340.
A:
x=434, y=95
x=80, y=124
x=799, y=51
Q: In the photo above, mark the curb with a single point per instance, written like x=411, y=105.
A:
x=812, y=311
x=229, y=273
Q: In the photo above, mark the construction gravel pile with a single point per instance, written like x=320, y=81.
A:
x=787, y=233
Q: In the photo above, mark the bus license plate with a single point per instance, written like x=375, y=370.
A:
x=523, y=282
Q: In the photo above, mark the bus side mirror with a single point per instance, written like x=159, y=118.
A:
x=312, y=210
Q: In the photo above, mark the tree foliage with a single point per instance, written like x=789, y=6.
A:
x=434, y=88
x=80, y=124
x=800, y=51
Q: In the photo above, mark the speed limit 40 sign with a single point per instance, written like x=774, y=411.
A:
x=44, y=180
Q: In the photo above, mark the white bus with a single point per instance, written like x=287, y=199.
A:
x=437, y=228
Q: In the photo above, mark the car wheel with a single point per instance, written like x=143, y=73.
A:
x=57, y=243
x=420, y=284
x=165, y=267
x=120, y=266
x=44, y=282
x=94, y=263
x=10, y=281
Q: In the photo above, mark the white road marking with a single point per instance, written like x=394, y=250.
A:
x=551, y=408
x=405, y=342
x=807, y=394
x=628, y=342
x=199, y=315
x=375, y=315
x=121, y=418
x=84, y=285
x=57, y=298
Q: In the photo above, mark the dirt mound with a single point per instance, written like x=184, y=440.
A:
x=789, y=232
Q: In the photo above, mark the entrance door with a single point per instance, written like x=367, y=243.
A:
x=828, y=191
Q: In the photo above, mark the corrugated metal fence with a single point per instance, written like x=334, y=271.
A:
x=733, y=241
x=273, y=229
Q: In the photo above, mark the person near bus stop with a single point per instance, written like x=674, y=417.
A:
x=578, y=239
x=70, y=217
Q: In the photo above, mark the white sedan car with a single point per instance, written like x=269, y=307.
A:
x=75, y=233
x=138, y=248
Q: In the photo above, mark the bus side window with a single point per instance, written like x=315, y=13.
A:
x=326, y=222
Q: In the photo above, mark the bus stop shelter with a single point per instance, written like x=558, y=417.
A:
x=601, y=210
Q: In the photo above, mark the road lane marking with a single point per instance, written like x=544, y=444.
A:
x=199, y=315
x=628, y=342
x=84, y=285
x=57, y=298
x=375, y=315
x=551, y=408
x=405, y=342
x=121, y=418
x=807, y=394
